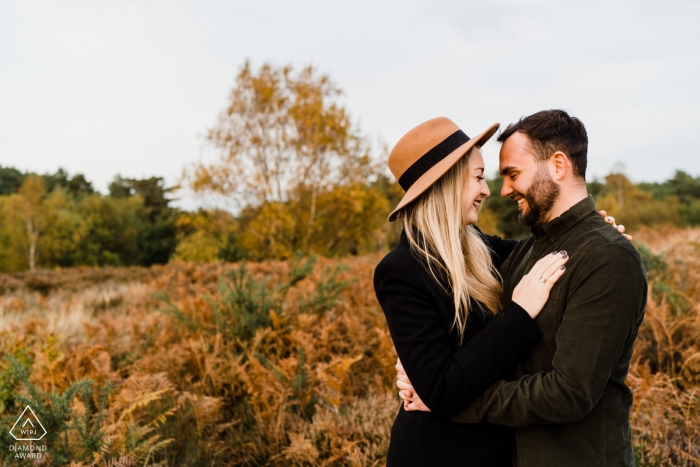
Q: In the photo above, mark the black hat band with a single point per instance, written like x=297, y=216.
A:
x=432, y=157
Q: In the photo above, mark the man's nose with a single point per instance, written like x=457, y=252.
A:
x=506, y=189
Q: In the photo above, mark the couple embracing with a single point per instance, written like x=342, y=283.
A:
x=511, y=353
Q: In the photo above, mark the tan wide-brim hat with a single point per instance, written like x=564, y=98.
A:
x=426, y=152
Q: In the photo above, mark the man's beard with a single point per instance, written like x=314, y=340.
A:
x=540, y=197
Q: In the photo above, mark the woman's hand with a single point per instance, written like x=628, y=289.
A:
x=532, y=292
x=611, y=220
x=411, y=401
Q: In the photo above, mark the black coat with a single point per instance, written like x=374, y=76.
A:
x=445, y=374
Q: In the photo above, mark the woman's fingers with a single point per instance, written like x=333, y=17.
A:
x=546, y=262
x=554, y=267
x=399, y=367
x=404, y=386
x=555, y=275
x=608, y=219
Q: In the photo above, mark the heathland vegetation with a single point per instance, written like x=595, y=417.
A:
x=142, y=334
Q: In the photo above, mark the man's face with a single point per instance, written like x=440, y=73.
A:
x=527, y=181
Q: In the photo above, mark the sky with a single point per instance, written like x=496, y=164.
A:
x=130, y=87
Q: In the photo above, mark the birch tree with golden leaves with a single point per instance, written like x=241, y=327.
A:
x=285, y=145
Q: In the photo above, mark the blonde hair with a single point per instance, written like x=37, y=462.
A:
x=450, y=247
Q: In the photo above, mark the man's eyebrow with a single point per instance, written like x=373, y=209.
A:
x=507, y=170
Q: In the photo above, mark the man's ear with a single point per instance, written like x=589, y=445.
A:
x=559, y=165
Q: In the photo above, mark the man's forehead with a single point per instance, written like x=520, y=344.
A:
x=515, y=153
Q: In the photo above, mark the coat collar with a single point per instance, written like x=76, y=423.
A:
x=560, y=225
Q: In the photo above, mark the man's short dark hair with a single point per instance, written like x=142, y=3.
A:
x=550, y=131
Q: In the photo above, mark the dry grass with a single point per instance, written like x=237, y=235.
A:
x=665, y=371
x=309, y=383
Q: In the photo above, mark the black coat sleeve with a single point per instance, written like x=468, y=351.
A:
x=446, y=381
x=501, y=247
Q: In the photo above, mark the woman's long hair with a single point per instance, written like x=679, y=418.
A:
x=450, y=248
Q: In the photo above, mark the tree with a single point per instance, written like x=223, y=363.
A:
x=284, y=141
x=32, y=194
x=157, y=237
x=76, y=186
x=207, y=236
x=10, y=180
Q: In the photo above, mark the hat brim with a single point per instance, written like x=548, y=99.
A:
x=438, y=170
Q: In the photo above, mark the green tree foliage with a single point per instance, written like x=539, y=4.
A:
x=76, y=186
x=156, y=238
x=10, y=180
x=683, y=187
x=59, y=220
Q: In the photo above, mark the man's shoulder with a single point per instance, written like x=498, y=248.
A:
x=596, y=233
x=601, y=243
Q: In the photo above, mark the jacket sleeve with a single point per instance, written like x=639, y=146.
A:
x=599, y=324
x=501, y=248
x=446, y=381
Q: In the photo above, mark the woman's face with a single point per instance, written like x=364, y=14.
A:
x=475, y=189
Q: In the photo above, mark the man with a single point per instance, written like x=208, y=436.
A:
x=569, y=402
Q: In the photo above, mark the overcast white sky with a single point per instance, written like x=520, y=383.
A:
x=130, y=86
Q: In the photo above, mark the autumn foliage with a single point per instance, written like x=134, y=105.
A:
x=276, y=363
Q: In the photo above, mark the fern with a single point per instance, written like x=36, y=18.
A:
x=328, y=291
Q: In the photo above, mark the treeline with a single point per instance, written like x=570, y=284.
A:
x=58, y=220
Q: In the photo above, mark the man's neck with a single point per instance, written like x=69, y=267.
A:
x=567, y=198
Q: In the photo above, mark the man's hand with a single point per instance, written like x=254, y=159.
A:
x=411, y=401
x=611, y=220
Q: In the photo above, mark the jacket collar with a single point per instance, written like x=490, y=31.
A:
x=560, y=225
x=403, y=238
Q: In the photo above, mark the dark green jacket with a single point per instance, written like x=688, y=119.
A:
x=570, y=404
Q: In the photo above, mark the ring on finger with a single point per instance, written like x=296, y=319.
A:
x=543, y=280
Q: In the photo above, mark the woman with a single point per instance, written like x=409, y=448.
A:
x=441, y=295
